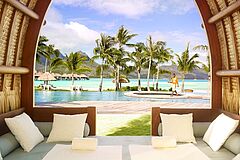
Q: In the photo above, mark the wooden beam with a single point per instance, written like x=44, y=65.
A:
x=20, y=6
x=214, y=46
x=44, y=114
x=199, y=115
x=228, y=73
x=229, y=10
x=13, y=70
x=28, y=57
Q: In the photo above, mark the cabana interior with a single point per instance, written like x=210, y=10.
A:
x=20, y=24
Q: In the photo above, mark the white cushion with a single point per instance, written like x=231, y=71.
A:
x=219, y=130
x=24, y=130
x=237, y=157
x=178, y=126
x=67, y=127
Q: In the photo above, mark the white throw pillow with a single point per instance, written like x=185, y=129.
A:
x=25, y=131
x=219, y=130
x=178, y=126
x=67, y=127
x=237, y=157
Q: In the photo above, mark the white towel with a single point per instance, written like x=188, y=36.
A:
x=64, y=152
x=181, y=152
x=164, y=142
x=88, y=144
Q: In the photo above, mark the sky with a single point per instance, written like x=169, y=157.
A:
x=74, y=25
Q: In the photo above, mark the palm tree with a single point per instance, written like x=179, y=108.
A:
x=201, y=48
x=204, y=48
x=50, y=54
x=122, y=38
x=186, y=64
x=138, y=58
x=74, y=63
x=151, y=51
x=163, y=55
x=205, y=67
x=41, y=48
x=54, y=63
x=102, y=51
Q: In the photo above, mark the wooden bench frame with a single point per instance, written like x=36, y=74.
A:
x=46, y=115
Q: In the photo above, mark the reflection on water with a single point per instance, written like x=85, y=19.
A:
x=66, y=96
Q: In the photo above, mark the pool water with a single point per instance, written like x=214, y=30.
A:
x=67, y=96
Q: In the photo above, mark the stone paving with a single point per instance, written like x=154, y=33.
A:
x=126, y=107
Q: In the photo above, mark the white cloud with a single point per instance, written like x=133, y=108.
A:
x=179, y=39
x=132, y=8
x=68, y=37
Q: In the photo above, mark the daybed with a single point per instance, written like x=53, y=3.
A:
x=10, y=148
x=229, y=150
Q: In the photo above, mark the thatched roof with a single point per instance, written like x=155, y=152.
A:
x=47, y=77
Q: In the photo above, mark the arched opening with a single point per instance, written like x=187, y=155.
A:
x=20, y=23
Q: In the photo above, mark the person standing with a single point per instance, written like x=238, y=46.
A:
x=174, y=81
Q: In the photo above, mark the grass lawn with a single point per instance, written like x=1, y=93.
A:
x=123, y=125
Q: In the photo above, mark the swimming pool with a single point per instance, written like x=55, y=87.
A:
x=66, y=96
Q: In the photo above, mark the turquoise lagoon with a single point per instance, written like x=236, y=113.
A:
x=66, y=96
x=199, y=87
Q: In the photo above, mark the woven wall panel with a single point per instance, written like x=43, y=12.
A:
x=229, y=38
x=13, y=29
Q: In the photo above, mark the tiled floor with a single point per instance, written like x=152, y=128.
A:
x=126, y=107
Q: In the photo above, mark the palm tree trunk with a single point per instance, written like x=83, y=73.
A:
x=183, y=78
x=118, y=77
x=116, y=88
x=101, y=77
x=72, y=79
x=153, y=81
x=139, y=80
x=157, y=78
x=148, y=75
x=45, y=65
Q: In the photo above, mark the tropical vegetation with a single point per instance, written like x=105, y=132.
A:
x=74, y=63
x=186, y=63
x=103, y=52
x=119, y=56
x=122, y=39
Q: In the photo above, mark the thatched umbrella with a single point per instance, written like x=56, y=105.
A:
x=122, y=80
x=46, y=77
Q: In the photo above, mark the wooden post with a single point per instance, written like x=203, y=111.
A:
x=23, y=8
x=226, y=12
x=215, y=57
x=28, y=58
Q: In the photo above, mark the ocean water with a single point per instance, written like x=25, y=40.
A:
x=93, y=83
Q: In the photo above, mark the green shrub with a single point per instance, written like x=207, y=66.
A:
x=134, y=88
